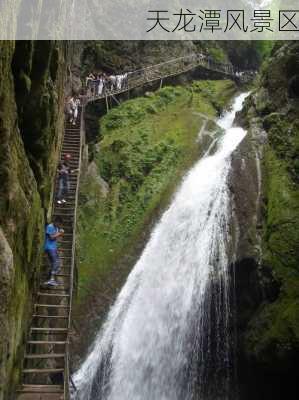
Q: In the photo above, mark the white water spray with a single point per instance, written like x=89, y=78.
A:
x=167, y=336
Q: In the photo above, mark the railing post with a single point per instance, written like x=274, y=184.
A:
x=66, y=373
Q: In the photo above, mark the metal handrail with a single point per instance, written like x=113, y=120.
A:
x=67, y=366
x=135, y=79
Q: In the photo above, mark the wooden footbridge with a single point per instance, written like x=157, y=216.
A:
x=171, y=68
x=46, y=372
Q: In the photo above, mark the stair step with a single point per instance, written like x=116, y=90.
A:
x=73, y=163
x=51, y=306
x=74, y=158
x=60, y=207
x=74, y=152
x=72, y=180
x=54, y=288
x=70, y=235
x=47, y=330
x=71, y=147
x=72, y=143
x=40, y=389
x=68, y=202
x=50, y=316
x=42, y=356
x=59, y=212
x=53, y=294
x=37, y=342
x=61, y=274
x=43, y=371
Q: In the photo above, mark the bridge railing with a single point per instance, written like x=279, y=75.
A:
x=166, y=69
x=170, y=68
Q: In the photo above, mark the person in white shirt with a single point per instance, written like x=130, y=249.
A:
x=77, y=104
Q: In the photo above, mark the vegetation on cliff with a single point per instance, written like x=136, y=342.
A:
x=272, y=335
x=116, y=56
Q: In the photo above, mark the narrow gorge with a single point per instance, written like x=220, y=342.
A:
x=186, y=278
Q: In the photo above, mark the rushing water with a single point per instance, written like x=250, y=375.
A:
x=168, y=336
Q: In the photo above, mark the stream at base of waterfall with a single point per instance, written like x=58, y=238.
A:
x=169, y=334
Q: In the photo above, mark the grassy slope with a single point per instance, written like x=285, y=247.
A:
x=147, y=143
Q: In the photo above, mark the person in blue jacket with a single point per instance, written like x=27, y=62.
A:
x=53, y=232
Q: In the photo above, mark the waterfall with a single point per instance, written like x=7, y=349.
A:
x=168, y=335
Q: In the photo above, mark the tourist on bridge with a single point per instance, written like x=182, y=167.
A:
x=121, y=81
x=106, y=82
x=53, y=232
x=101, y=84
x=90, y=78
x=112, y=82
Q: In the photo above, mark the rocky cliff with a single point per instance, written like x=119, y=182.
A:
x=147, y=144
x=33, y=77
x=266, y=193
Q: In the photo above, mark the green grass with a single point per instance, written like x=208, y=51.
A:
x=146, y=144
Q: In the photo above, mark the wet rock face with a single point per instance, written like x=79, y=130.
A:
x=246, y=192
x=266, y=211
x=31, y=116
x=6, y=284
x=39, y=79
x=294, y=86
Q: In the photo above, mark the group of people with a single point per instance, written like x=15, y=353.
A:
x=54, y=229
x=72, y=109
x=100, y=84
x=249, y=74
